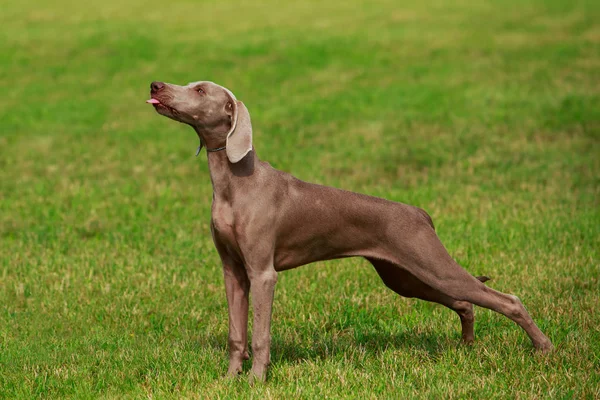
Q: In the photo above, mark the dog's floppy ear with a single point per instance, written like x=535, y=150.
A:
x=239, y=137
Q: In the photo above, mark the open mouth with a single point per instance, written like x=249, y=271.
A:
x=158, y=105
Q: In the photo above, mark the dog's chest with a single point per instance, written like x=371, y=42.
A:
x=222, y=220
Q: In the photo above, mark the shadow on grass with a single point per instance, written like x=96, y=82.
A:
x=351, y=347
x=427, y=345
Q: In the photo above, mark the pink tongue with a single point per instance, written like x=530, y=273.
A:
x=153, y=101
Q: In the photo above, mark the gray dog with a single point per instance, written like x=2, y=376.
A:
x=265, y=221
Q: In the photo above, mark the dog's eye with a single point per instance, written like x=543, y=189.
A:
x=201, y=91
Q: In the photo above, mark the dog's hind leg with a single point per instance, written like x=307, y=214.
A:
x=425, y=257
x=407, y=285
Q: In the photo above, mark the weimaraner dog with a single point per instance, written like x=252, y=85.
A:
x=265, y=221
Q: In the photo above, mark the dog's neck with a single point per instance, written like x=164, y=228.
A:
x=222, y=172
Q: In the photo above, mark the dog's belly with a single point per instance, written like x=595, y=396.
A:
x=284, y=262
x=294, y=253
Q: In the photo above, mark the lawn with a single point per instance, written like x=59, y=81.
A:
x=486, y=114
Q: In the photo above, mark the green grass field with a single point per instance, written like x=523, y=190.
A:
x=486, y=114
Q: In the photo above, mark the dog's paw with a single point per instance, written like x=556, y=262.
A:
x=544, y=347
x=257, y=376
x=234, y=370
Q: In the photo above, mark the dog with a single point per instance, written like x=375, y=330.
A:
x=265, y=221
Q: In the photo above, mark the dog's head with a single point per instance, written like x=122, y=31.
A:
x=212, y=110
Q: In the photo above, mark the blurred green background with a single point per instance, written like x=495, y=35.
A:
x=486, y=114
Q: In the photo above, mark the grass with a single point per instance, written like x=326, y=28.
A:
x=486, y=114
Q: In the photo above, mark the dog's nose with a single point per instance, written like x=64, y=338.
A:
x=156, y=86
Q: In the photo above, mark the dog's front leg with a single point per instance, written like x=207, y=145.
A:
x=262, y=289
x=237, y=287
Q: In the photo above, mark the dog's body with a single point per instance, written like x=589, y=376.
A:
x=302, y=222
x=265, y=221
